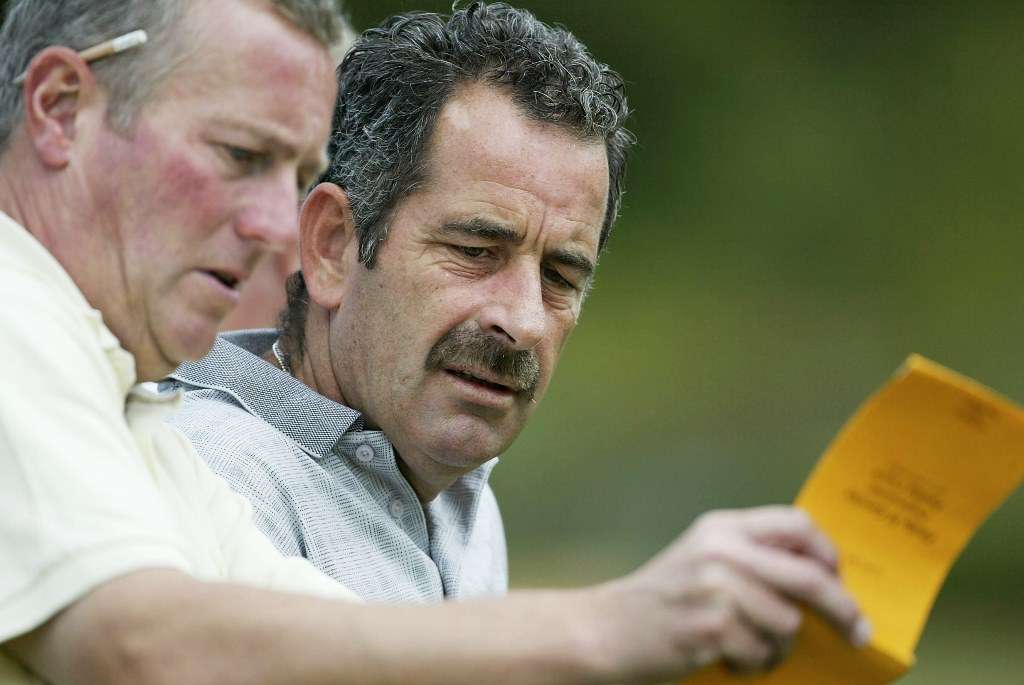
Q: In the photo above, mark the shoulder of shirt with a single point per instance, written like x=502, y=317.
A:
x=24, y=260
x=222, y=430
x=205, y=410
x=34, y=283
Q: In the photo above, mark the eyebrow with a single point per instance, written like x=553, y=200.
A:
x=487, y=229
x=309, y=171
x=573, y=260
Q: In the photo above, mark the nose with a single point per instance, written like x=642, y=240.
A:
x=515, y=311
x=271, y=218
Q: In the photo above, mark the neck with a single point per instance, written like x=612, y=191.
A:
x=315, y=366
x=438, y=479
x=312, y=363
x=27, y=195
x=58, y=209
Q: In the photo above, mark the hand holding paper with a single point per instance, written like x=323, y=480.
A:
x=719, y=591
x=901, y=490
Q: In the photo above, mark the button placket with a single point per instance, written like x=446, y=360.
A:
x=364, y=453
x=397, y=508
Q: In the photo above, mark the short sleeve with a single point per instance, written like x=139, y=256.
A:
x=78, y=506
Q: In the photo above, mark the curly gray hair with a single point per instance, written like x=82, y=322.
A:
x=400, y=74
x=397, y=78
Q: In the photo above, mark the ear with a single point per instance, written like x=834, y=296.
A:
x=58, y=86
x=328, y=246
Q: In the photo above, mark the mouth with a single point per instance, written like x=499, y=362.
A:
x=228, y=279
x=487, y=383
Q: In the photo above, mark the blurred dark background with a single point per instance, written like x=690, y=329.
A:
x=820, y=189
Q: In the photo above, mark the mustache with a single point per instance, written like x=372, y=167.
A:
x=473, y=349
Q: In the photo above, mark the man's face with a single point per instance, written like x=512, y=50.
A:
x=498, y=246
x=206, y=181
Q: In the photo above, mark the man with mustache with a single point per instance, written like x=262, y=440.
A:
x=476, y=171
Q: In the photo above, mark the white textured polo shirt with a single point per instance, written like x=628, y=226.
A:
x=93, y=483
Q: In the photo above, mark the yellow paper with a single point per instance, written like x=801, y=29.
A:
x=900, y=491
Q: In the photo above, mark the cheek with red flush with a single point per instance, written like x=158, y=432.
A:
x=185, y=186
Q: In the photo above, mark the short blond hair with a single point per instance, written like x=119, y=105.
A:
x=33, y=25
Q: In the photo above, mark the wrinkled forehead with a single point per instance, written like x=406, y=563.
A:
x=482, y=137
x=247, y=62
x=223, y=40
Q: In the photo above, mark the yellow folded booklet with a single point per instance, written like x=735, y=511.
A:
x=900, y=491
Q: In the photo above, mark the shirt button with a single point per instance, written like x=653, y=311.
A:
x=396, y=508
x=364, y=453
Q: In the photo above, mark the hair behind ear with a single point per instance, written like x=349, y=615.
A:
x=327, y=249
x=292, y=321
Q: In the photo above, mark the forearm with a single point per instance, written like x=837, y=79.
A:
x=526, y=638
x=160, y=626
x=730, y=588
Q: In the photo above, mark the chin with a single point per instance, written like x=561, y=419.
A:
x=470, y=446
x=462, y=461
x=189, y=343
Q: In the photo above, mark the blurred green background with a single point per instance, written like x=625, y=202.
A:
x=820, y=189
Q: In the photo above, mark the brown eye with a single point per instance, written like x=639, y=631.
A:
x=471, y=252
x=558, y=280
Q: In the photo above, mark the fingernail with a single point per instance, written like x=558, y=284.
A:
x=861, y=633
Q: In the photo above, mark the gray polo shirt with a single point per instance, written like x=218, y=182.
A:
x=325, y=488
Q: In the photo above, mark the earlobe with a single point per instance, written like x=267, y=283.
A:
x=328, y=245
x=58, y=85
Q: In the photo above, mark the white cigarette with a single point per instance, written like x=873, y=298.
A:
x=105, y=49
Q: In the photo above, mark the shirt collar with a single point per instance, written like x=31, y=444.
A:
x=234, y=366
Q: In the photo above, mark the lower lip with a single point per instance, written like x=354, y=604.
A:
x=481, y=394
x=230, y=295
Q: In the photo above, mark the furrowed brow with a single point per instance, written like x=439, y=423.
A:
x=261, y=133
x=485, y=229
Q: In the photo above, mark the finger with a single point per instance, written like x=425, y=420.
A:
x=805, y=580
x=745, y=649
x=762, y=607
x=789, y=528
x=780, y=651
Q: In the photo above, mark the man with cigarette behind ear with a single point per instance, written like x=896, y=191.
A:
x=138, y=189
